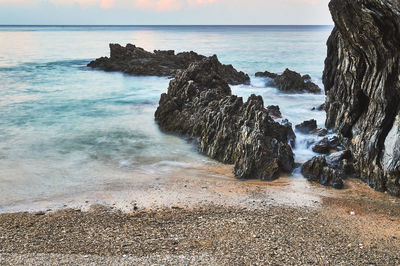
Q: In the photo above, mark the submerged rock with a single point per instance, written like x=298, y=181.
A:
x=290, y=81
x=200, y=104
x=137, y=61
x=362, y=85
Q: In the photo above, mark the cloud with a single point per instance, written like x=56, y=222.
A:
x=156, y=5
x=159, y=5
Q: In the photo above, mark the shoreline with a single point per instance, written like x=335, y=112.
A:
x=214, y=221
x=206, y=234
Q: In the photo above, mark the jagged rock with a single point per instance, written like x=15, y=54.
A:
x=317, y=170
x=307, y=126
x=274, y=111
x=199, y=104
x=362, y=85
x=266, y=74
x=137, y=61
x=326, y=145
x=290, y=81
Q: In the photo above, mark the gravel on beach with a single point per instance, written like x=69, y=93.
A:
x=211, y=234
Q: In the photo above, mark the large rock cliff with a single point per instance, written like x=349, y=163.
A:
x=362, y=84
x=199, y=103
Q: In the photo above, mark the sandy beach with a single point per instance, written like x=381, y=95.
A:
x=213, y=221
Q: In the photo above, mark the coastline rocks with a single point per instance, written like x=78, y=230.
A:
x=135, y=60
x=274, y=111
x=307, y=127
x=318, y=170
x=326, y=145
x=200, y=104
x=290, y=81
x=362, y=85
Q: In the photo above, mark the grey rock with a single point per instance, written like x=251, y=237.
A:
x=137, y=61
x=326, y=145
x=274, y=111
x=200, y=104
x=362, y=85
x=307, y=126
x=290, y=81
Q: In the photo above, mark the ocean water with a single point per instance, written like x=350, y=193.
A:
x=65, y=128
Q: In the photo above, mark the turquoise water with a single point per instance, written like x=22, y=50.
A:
x=67, y=129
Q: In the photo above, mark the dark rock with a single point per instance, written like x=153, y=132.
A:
x=325, y=145
x=274, y=111
x=307, y=126
x=200, y=104
x=362, y=85
x=289, y=132
x=337, y=158
x=137, y=61
x=317, y=170
x=290, y=81
x=321, y=132
x=319, y=108
x=266, y=74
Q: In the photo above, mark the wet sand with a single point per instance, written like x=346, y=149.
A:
x=191, y=218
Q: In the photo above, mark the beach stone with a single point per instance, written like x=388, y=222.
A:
x=199, y=104
x=362, y=87
x=137, y=61
x=290, y=81
x=307, y=126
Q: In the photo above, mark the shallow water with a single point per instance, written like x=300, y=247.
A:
x=66, y=129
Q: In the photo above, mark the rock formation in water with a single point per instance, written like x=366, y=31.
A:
x=137, y=61
x=290, y=81
x=362, y=85
x=199, y=103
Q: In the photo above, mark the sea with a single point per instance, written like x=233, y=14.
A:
x=66, y=129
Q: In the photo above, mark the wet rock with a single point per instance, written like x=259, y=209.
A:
x=317, y=170
x=266, y=74
x=362, y=85
x=137, y=61
x=307, y=126
x=274, y=111
x=330, y=170
x=200, y=104
x=319, y=108
x=290, y=81
x=326, y=145
x=321, y=132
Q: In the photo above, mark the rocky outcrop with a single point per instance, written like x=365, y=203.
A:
x=135, y=60
x=290, y=81
x=199, y=103
x=307, y=127
x=326, y=145
x=362, y=85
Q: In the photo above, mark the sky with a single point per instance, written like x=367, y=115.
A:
x=164, y=12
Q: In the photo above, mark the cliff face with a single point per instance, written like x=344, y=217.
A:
x=362, y=84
